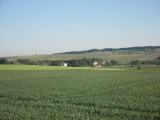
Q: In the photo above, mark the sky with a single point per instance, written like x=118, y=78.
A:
x=30, y=27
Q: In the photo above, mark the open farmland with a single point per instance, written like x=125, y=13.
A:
x=48, y=93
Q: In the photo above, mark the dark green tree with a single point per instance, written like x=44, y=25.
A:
x=3, y=61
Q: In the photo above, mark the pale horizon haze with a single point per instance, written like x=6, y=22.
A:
x=30, y=27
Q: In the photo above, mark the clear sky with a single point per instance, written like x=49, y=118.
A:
x=51, y=26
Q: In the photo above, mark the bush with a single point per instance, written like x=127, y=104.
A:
x=135, y=62
x=138, y=67
x=25, y=61
x=3, y=61
x=113, y=62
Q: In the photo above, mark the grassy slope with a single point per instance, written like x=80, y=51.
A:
x=79, y=94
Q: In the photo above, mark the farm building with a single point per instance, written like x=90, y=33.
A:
x=96, y=64
x=64, y=64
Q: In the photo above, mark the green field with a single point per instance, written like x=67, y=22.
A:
x=56, y=93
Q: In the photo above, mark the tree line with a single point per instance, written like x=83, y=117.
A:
x=77, y=62
x=146, y=62
x=73, y=62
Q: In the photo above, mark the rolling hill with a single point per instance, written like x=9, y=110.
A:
x=123, y=55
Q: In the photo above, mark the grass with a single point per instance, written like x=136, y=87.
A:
x=39, y=67
x=47, y=93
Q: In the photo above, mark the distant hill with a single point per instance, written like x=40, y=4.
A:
x=142, y=48
x=123, y=55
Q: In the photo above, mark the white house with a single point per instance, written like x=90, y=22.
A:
x=95, y=63
x=64, y=64
x=99, y=63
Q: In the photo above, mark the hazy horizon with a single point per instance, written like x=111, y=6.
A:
x=77, y=50
x=46, y=27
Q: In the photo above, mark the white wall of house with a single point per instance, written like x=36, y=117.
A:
x=95, y=63
x=65, y=64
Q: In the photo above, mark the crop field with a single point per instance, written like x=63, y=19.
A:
x=57, y=93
